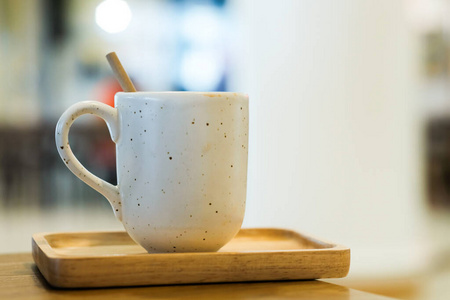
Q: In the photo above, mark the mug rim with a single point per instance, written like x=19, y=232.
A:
x=178, y=95
x=210, y=94
x=182, y=92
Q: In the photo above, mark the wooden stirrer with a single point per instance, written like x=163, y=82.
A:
x=119, y=72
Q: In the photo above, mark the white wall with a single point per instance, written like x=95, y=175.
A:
x=335, y=141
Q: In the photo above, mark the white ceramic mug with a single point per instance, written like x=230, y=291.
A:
x=181, y=166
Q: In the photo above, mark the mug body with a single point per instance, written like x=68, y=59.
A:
x=182, y=168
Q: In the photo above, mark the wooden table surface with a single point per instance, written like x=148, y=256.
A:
x=20, y=279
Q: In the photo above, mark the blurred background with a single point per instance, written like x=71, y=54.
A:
x=349, y=110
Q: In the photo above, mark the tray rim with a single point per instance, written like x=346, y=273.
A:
x=39, y=241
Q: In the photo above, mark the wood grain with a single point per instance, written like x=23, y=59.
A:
x=20, y=279
x=104, y=259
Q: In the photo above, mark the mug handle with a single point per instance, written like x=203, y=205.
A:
x=111, y=117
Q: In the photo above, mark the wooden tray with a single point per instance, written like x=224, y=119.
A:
x=105, y=259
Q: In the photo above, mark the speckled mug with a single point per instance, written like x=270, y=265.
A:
x=181, y=166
